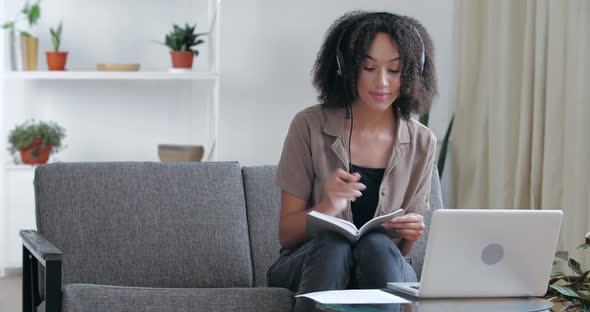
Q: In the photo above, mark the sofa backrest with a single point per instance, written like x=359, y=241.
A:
x=263, y=202
x=146, y=224
x=436, y=202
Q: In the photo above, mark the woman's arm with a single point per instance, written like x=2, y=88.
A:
x=340, y=187
x=292, y=220
x=410, y=227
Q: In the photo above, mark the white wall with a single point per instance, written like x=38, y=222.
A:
x=268, y=49
x=114, y=119
x=267, y=52
x=105, y=120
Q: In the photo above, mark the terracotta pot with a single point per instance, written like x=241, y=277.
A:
x=29, y=46
x=56, y=60
x=182, y=59
x=34, y=155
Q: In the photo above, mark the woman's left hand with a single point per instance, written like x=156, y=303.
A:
x=409, y=226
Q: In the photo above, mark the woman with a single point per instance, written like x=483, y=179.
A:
x=358, y=155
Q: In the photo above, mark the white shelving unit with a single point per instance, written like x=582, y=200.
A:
x=96, y=75
x=13, y=167
x=182, y=106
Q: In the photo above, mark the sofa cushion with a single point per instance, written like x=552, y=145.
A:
x=90, y=298
x=263, y=204
x=436, y=202
x=146, y=224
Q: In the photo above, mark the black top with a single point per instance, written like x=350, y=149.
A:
x=363, y=208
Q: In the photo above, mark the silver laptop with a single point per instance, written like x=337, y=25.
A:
x=487, y=253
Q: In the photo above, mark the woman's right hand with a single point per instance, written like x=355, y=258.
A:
x=339, y=188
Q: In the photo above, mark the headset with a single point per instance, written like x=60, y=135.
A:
x=340, y=72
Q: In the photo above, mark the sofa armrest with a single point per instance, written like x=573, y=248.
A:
x=39, y=246
x=38, y=250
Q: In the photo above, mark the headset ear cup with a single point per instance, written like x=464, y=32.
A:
x=423, y=52
x=422, y=61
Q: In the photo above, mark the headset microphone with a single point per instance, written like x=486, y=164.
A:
x=348, y=112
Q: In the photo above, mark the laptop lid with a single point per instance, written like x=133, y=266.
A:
x=489, y=253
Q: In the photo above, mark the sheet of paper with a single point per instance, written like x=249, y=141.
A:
x=354, y=296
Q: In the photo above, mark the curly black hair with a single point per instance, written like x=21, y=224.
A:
x=358, y=29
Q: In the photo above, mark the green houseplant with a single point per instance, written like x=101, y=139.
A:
x=32, y=13
x=572, y=291
x=36, y=140
x=181, y=42
x=445, y=143
x=56, y=60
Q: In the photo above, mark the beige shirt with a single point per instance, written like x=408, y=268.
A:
x=315, y=147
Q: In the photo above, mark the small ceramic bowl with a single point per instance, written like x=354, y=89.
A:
x=168, y=152
x=117, y=67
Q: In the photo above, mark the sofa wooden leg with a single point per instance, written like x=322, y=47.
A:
x=53, y=286
x=27, y=293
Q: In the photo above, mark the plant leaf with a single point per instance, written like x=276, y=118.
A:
x=33, y=14
x=25, y=9
x=583, y=246
x=55, y=41
x=48, y=132
x=56, y=36
x=443, y=150
x=198, y=42
x=171, y=42
x=575, y=266
x=553, y=298
x=584, y=297
x=424, y=119
x=566, y=291
x=556, y=274
x=8, y=25
x=25, y=34
x=561, y=255
x=182, y=39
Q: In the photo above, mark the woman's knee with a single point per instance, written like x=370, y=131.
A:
x=376, y=243
x=331, y=245
x=378, y=261
x=328, y=264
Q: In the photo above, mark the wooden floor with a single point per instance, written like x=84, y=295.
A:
x=10, y=294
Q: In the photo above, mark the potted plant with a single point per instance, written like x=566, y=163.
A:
x=56, y=60
x=28, y=43
x=181, y=41
x=572, y=291
x=36, y=140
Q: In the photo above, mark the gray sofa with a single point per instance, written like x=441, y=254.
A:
x=132, y=236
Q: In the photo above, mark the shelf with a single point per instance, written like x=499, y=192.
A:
x=13, y=167
x=102, y=75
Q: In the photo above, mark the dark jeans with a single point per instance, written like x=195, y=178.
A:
x=331, y=262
